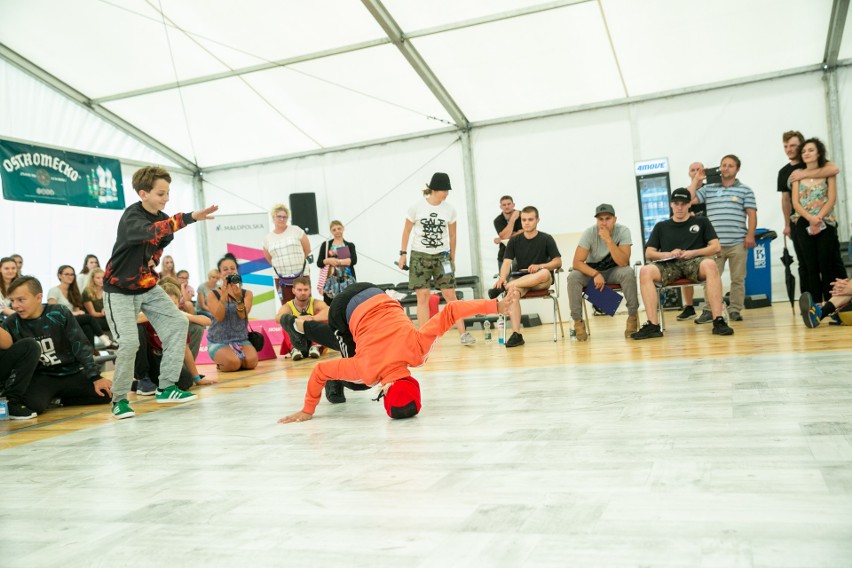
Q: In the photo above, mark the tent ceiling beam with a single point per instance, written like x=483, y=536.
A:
x=339, y=50
x=394, y=32
x=34, y=70
x=837, y=22
x=320, y=151
x=656, y=96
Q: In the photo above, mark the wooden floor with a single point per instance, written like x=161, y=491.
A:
x=689, y=450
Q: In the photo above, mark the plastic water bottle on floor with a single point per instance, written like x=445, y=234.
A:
x=501, y=329
x=487, y=327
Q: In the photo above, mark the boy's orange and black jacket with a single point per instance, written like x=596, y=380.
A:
x=141, y=237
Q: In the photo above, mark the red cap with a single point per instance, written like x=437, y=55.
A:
x=403, y=398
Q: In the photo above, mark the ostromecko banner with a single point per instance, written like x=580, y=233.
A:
x=44, y=175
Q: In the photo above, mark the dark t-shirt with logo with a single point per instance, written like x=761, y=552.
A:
x=64, y=347
x=784, y=175
x=692, y=234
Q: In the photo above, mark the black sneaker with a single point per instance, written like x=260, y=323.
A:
x=20, y=412
x=648, y=331
x=297, y=339
x=687, y=314
x=720, y=327
x=495, y=292
x=735, y=316
x=705, y=317
x=334, y=392
x=515, y=340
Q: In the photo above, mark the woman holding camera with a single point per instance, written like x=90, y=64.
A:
x=227, y=336
x=815, y=224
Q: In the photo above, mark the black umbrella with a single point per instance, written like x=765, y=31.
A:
x=789, y=279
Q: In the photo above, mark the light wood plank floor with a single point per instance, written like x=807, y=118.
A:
x=689, y=450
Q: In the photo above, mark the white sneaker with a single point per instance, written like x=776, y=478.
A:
x=467, y=339
x=314, y=352
x=296, y=355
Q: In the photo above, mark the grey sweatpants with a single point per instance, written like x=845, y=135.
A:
x=169, y=323
x=622, y=275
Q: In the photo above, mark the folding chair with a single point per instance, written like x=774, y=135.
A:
x=551, y=293
x=661, y=300
x=614, y=286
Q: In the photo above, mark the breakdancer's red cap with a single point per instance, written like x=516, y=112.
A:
x=402, y=399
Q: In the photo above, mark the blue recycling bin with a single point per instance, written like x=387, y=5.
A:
x=758, y=269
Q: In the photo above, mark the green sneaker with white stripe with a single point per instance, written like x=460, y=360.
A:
x=121, y=409
x=173, y=394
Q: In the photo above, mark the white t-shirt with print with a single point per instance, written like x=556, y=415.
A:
x=431, y=231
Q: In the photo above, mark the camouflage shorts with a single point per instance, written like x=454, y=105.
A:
x=675, y=269
x=425, y=267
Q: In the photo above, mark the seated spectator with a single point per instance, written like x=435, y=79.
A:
x=534, y=255
x=603, y=255
x=227, y=337
x=8, y=273
x=150, y=353
x=93, y=296
x=195, y=331
x=18, y=360
x=89, y=264
x=66, y=369
x=67, y=294
x=201, y=298
x=167, y=267
x=813, y=313
x=20, y=261
x=186, y=293
x=303, y=304
x=681, y=247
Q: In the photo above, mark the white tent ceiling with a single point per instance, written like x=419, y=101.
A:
x=221, y=83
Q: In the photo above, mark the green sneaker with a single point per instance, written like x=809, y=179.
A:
x=173, y=394
x=121, y=409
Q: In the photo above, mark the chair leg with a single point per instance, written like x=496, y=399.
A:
x=661, y=299
x=586, y=316
x=557, y=312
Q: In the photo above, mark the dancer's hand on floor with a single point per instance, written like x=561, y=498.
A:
x=298, y=417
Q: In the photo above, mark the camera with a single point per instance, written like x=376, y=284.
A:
x=233, y=279
x=714, y=175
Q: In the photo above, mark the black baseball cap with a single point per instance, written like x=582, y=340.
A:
x=681, y=195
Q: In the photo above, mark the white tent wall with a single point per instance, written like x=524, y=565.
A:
x=368, y=189
x=48, y=236
x=568, y=164
x=32, y=112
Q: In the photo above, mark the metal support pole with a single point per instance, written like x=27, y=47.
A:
x=472, y=210
x=835, y=134
x=198, y=198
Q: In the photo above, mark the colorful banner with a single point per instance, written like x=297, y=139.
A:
x=44, y=175
x=242, y=235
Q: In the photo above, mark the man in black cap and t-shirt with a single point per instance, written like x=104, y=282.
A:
x=681, y=247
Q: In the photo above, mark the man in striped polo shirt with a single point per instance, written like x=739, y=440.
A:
x=732, y=210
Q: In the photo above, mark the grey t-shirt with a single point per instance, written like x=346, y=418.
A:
x=591, y=241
